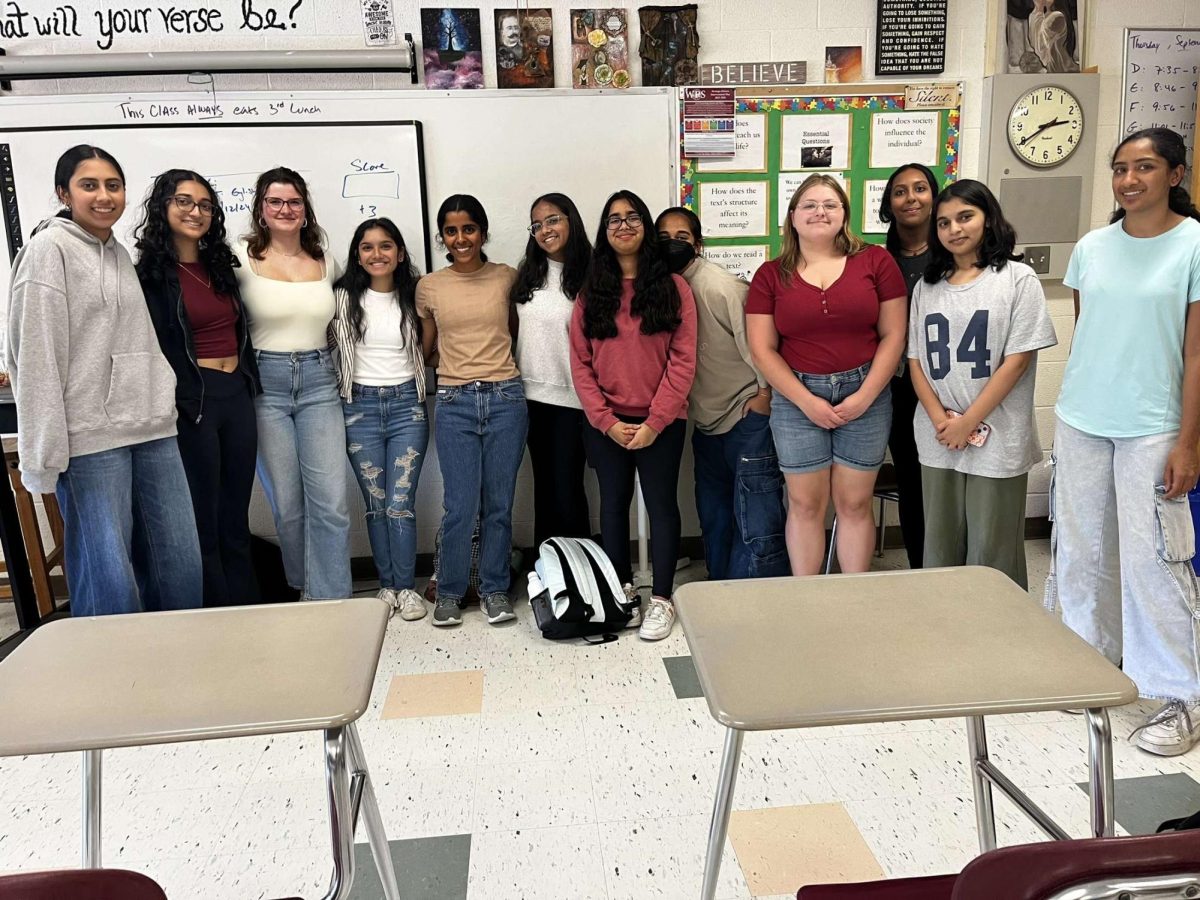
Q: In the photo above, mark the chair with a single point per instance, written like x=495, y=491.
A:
x=1160, y=866
x=41, y=560
x=79, y=884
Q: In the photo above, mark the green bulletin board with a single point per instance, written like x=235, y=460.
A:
x=779, y=134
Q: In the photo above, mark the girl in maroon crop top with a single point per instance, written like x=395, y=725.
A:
x=187, y=273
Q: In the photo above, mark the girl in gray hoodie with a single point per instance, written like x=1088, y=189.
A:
x=96, y=403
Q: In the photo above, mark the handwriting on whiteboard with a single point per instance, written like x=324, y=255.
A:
x=1162, y=71
x=183, y=111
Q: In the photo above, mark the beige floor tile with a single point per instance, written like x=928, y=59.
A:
x=783, y=848
x=434, y=694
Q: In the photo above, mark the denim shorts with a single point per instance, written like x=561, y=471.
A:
x=803, y=446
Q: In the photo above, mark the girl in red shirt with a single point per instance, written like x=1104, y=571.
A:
x=826, y=324
x=633, y=357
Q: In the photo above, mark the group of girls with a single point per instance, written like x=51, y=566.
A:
x=598, y=352
x=827, y=327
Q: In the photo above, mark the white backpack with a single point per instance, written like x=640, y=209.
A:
x=580, y=594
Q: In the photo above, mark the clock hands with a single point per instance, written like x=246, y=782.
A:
x=1029, y=137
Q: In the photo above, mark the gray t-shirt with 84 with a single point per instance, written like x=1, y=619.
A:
x=961, y=333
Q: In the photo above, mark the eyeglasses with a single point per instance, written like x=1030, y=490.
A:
x=185, y=203
x=275, y=204
x=613, y=222
x=548, y=222
x=811, y=206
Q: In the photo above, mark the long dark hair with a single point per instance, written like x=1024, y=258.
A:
x=999, y=238
x=156, y=246
x=655, y=297
x=65, y=168
x=474, y=209
x=310, y=232
x=885, y=203
x=355, y=281
x=531, y=274
x=1170, y=146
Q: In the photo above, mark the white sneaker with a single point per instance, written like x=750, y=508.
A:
x=631, y=596
x=1172, y=731
x=412, y=605
x=388, y=596
x=659, y=619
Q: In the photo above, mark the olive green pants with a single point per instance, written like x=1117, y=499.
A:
x=972, y=520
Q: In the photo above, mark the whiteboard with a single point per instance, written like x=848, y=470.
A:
x=354, y=171
x=505, y=147
x=1158, y=81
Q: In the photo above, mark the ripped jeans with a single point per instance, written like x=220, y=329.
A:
x=1120, y=567
x=387, y=432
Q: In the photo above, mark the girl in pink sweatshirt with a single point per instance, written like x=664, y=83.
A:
x=633, y=357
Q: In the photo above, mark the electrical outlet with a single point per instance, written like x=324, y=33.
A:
x=1038, y=259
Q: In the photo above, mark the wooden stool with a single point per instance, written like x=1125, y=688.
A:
x=41, y=562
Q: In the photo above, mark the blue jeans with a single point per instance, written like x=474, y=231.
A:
x=130, y=533
x=387, y=433
x=302, y=467
x=739, y=499
x=480, y=433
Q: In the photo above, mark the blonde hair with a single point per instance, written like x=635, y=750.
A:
x=847, y=242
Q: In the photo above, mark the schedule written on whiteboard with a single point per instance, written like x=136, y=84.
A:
x=1162, y=68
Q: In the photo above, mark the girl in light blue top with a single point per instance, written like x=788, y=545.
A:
x=1125, y=441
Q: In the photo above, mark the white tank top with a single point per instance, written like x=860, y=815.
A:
x=286, y=316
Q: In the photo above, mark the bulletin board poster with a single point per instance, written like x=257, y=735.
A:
x=859, y=139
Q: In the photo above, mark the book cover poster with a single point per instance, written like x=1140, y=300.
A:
x=599, y=49
x=670, y=45
x=451, y=44
x=843, y=65
x=1044, y=36
x=524, y=48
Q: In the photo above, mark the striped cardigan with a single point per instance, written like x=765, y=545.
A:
x=343, y=344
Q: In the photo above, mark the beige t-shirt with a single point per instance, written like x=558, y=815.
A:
x=471, y=312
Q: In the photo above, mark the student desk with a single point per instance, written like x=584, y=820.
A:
x=890, y=646
x=88, y=684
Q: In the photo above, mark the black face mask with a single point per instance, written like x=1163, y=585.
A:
x=677, y=253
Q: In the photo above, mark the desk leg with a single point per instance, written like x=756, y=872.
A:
x=985, y=816
x=374, y=821
x=1100, y=773
x=720, y=817
x=91, y=808
x=341, y=816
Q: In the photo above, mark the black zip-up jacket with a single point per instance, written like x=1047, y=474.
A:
x=164, y=297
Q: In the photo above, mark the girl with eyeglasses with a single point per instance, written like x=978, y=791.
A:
x=96, y=403
x=548, y=279
x=633, y=359
x=186, y=269
x=481, y=417
x=287, y=287
x=826, y=325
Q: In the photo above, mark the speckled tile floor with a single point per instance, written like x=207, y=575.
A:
x=530, y=769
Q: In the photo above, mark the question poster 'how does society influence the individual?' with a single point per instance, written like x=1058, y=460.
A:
x=128, y=27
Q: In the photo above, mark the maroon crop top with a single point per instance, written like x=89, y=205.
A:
x=212, y=316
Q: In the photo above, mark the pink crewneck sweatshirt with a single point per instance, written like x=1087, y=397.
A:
x=635, y=374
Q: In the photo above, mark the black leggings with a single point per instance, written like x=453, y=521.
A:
x=903, y=445
x=555, y=439
x=218, y=457
x=657, y=467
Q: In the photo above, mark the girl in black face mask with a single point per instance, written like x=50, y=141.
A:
x=730, y=403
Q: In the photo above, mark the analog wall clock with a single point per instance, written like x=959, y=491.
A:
x=1045, y=126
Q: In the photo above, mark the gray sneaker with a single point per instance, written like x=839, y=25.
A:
x=497, y=607
x=447, y=612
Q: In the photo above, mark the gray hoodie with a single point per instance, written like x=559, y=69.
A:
x=84, y=360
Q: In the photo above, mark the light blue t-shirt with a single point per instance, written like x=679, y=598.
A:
x=1124, y=377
